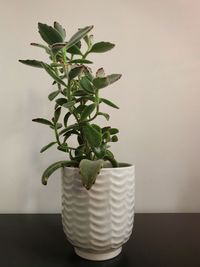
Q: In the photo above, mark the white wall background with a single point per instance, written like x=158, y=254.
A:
x=158, y=53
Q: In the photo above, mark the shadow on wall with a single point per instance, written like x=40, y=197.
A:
x=189, y=200
x=31, y=195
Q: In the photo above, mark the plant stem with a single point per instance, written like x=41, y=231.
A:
x=57, y=135
x=68, y=128
x=68, y=87
x=72, y=148
x=56, y=70
x=97, y=108
x=59, y=88
x=86, y=53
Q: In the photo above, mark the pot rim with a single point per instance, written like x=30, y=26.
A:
x=124, y=165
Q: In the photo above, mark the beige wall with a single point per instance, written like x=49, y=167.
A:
x=158, y=54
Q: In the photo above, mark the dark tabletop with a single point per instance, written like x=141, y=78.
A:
x=161, y=240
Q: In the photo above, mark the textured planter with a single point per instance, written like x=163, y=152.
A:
x=99, y=221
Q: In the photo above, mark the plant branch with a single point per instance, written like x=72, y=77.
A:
x=57, y=135
x=56, y=69
x=97, y=108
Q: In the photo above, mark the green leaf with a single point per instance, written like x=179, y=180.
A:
x=89, y=170
x=56, y=106
x=113, y=78
x=87, y=111
x=32, y=63
x=58, y=125
x=88, y=73
x=75, y=72
x=75, y=50
x=105, y=129
x=86, y=85
x=88, y=40
x=80, y=61
x=80, y=140
x=70, y=127
x=52, y=74
x=69, y=104
x=106, y=115
x=63, y=147
x=101, y=47
x=42, y=46
x=92, y=135
x=78, y=44
x=57, y=47
x=80, y=108
x=91, y=98
x=78, y=36
x=53, y=167
x=61, y=101
x=65, y=91
x=71, y=132
x=113, y=130
x=43, y=121
x=56, y=65
x=100, y=73
x=52, y=95
x=47, y=146
x=67, y=135
x=97, y=127
x=49, y=34
x=114, y=138
x=60, y=29
x=109, y=103
x=79, y=152
x=66, y=117
x=99, y=151
x=106, y=136
x=102, y=82
x=57, y=114
x=80, y=93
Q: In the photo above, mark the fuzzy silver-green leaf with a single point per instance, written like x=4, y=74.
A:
x=89, y=170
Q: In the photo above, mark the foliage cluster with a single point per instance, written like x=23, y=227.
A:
x=78, y=97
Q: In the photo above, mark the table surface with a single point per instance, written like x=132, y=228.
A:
x=164, y=240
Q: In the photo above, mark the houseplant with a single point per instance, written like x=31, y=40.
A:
x=97, y=191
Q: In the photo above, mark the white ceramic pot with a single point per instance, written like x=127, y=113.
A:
x=99, y=221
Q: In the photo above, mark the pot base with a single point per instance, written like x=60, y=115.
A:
x=97, y=256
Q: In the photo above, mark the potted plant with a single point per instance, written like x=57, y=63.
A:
x=97, y=191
